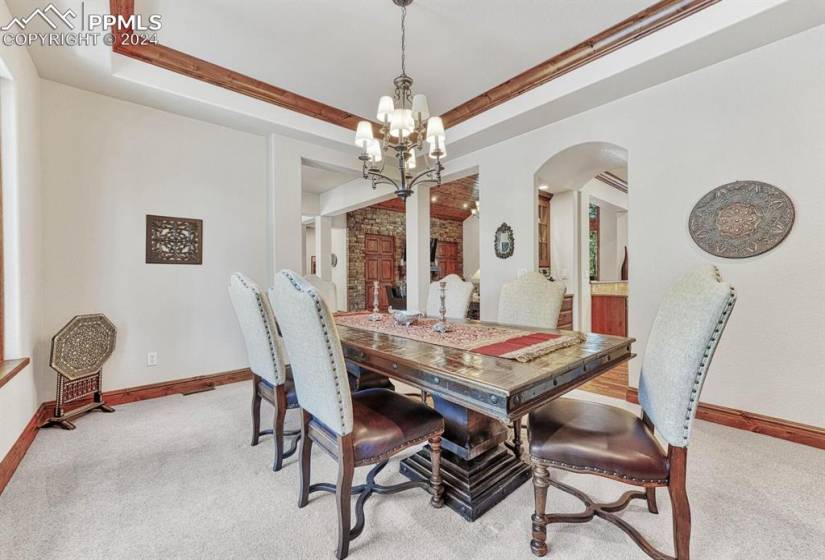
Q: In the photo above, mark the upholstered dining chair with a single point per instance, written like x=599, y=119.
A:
x=271, y=376
x=363, y=428
x=529, y=301
x=326, y=288
x=585, y=437
x=457, y=297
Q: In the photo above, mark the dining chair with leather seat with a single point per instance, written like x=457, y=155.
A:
x=529, y=301
x=271, y=375
x=364, y=428
x=586, y=437
x=458, y=294
x=327, y=290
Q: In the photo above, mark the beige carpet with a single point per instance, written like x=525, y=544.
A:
x=175, y=478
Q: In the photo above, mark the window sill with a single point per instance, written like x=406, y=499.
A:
x=10, y=368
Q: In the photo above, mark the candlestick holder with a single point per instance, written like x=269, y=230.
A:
x=376, y=315
x=442, y=325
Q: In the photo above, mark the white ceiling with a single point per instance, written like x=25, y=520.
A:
x=468, y=47
x=317, y=179
x=345, y=54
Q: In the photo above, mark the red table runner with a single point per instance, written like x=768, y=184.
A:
x=500, y=342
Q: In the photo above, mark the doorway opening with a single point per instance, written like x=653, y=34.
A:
x=582, y=210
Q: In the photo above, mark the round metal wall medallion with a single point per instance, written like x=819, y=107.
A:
x=741, y=219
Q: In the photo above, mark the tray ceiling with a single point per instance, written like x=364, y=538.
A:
x=345, y=54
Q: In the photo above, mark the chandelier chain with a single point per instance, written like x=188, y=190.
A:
x=403, y=40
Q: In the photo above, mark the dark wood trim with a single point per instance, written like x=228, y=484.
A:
x=12, y=459
x=173, y=387
x=10, y=368
x=2, y=276
x=193, y=67
x=656, y=17
x=753, y=422
x=119, y=396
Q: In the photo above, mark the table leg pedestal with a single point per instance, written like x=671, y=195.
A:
x=478, y=472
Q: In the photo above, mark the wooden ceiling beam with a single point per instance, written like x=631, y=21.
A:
x=637, y=26
x=193, y=67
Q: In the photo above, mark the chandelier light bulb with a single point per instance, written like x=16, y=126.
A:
x=439, y=145
x=374, y=151
x=385, y=108
x=401, y=123
x=411, y=160
x=420, y=108
x=435, y=129
x=363, y=135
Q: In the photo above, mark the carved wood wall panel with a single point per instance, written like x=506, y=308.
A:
x=174, y=240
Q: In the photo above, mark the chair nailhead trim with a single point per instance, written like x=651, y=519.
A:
x=705, y=363
x=396, y=449
x=613, y=474
x=331, y=354
x=242, y=279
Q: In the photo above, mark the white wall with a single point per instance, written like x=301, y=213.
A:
x=621, y=238
x=738, y=119
x=563, y=247
x=470, y=247
x=339, y=249
x=22, y=239
x=107, y=164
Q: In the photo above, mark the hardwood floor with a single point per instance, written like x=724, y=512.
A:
x=612, y=384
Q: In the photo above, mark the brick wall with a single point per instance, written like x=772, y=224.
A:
x=385, y=222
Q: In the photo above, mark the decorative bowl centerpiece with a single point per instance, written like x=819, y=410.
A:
x=405, y=318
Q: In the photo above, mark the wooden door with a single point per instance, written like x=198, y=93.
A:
x=447, y=255
x=379, y=264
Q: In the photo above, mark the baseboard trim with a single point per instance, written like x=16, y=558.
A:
x=15, y=455
x=753, y=422
x=12, y=459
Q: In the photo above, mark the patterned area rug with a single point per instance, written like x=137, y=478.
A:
x=500, y=342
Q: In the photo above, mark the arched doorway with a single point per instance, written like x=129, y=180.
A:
x=582, y=199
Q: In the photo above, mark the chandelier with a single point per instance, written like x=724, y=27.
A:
x=406, y=125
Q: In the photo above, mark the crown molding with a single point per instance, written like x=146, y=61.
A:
x=193, y=67
x=651, y=19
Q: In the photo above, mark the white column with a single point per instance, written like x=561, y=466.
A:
x=304, y=270
x=284, y=188
x=418, y=248
x=323, y=247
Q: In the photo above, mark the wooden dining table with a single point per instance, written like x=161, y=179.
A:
x=479, y=395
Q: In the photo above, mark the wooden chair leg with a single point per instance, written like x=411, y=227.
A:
x=517, y=437
x=436, y=484
x=651, y=500
x=256, y=410
x=343, y=493
x=541, y=480
x=305, y=461
x=278, y=427
x=679, y=499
